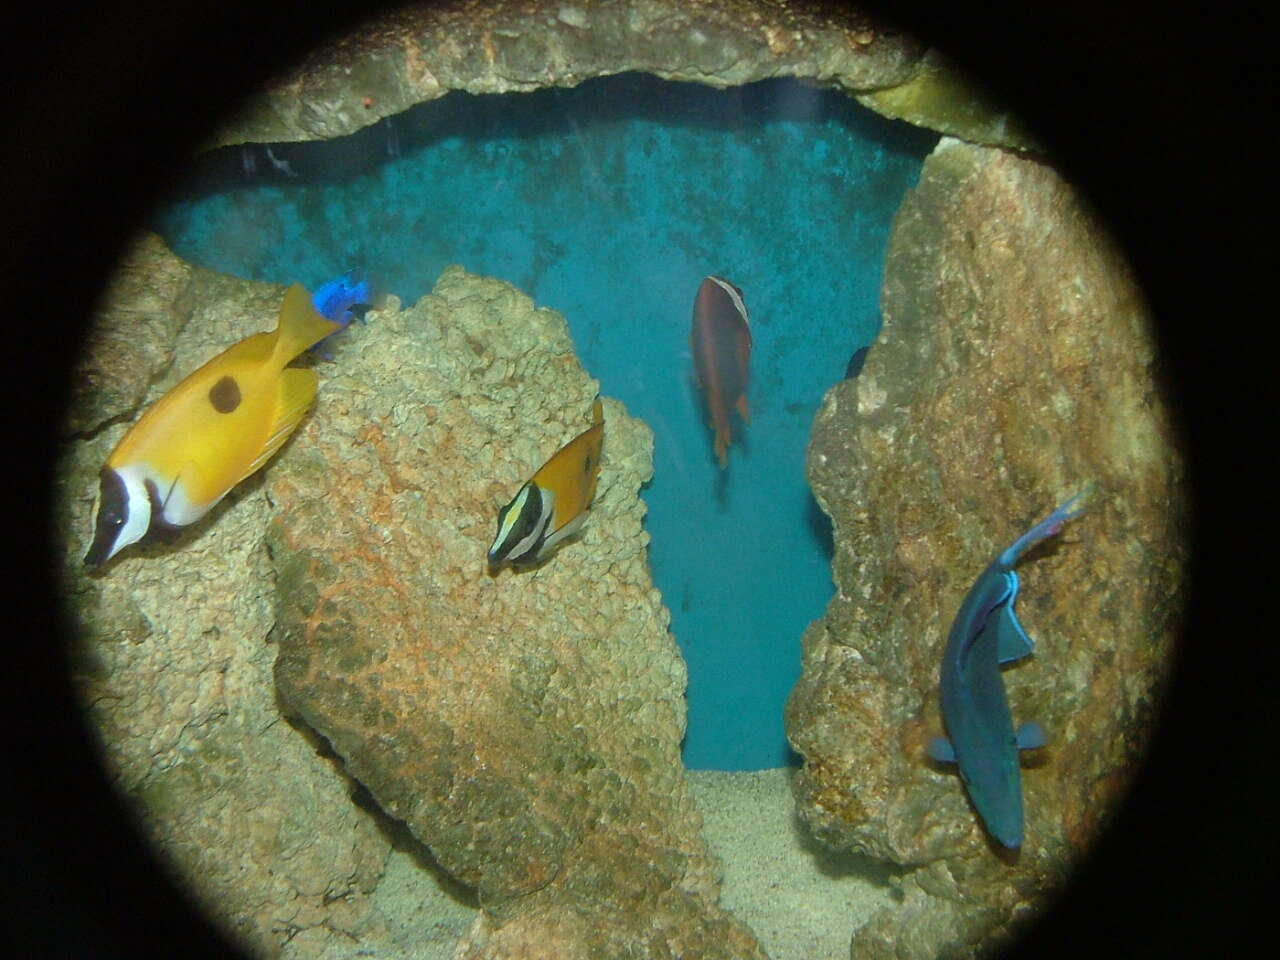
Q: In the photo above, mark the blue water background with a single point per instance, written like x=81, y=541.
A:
x=609, y=203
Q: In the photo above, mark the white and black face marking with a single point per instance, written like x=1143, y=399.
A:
x=522, y=527
x=735, y=296
x=124, y=515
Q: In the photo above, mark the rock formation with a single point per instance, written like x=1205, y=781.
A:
x=525, y=726
x=417, y=53
x=173, y=659
x=532, y=749
x=1015, y=368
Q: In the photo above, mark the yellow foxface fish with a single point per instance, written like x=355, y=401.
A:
x=553, y=505
x=209, y=432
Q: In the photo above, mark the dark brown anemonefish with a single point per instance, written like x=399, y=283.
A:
x=721, y=344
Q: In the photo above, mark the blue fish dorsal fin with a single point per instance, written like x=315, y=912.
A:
x=1030, y=736
x=1012, y=642
x=940, y=749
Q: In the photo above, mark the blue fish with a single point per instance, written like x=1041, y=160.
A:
x=334, y=300
x=975, y=709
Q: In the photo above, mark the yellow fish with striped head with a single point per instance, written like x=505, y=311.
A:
x=209, y=432
x=553, y=505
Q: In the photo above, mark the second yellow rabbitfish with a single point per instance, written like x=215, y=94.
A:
x=209, y=432
x=553, y=505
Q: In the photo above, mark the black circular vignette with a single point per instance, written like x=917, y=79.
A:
x=1149, y=108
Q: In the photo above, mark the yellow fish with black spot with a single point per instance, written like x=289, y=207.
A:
x=553, y=505
x=209, y=432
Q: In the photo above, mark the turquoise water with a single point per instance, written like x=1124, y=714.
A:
x=609, y=203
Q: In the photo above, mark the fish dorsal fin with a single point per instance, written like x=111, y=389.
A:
x=1012, y=642
x=1002, y=626
x=296, y=391
x=300, y=325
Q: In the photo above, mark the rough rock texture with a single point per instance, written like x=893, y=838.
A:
x=131, y=341
x=525, y=726
x=173, y=658
x=418, y=53
x=1014, y=368
x=939, y=97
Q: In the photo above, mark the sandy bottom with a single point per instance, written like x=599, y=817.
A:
x=802, y=900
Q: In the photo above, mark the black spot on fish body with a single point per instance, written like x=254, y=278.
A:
x=225, y=395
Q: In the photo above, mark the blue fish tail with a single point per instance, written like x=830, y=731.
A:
x=1047, y=527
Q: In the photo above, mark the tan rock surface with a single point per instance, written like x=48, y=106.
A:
x=526, y=726
x=1015, y=367
x=420, y=52
x=174, y=661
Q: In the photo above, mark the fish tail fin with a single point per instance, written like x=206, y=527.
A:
x=300, y=325
x=1048, y=527
x=742, y=408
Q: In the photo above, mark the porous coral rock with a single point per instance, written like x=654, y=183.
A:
x=1015, y=368
x=417, y=53
x=132, y=338
x=173, y=660
x=420, y=52
x=525, y=726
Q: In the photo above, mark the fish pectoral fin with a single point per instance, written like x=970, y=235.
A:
x=297, y=390
x=941, y=750
x=172, y=505
x=1030, y=736
x=564, y=533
